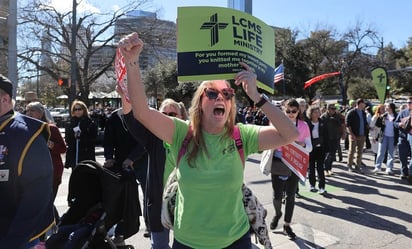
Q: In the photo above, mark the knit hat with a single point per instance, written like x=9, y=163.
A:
x=6, y=85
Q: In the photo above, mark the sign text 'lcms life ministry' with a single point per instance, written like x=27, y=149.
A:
x=211, y=41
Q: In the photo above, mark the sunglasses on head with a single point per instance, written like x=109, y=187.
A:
x=227, y=93
x=291, y=111
x=171, y=114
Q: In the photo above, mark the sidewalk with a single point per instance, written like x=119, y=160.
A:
x=358, y=211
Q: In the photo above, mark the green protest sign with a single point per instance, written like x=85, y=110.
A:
x=380, y=80
x=211, y=41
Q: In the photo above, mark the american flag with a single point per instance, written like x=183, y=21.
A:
x=279, y=75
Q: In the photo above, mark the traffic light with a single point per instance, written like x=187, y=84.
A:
x=63, y=82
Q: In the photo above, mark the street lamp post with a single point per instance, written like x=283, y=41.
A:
x=73, y=70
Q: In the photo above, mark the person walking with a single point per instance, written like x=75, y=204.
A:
x=283, y=179
x=56, y=144
x=333, y=124
x=159, y=167
x=210, y=173
x=404, y=143
x=81, y=134
x=374, y=131
x=123, y=151
x=356, y=126
x=26, y=173
x=318, y=134
x=387, y=138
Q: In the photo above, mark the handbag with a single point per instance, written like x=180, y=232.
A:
x=266, y=162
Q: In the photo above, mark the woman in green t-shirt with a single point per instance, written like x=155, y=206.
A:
x=209, y=209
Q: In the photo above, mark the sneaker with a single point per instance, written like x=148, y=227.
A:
x=288, y=231
x=313, y=189
x=275, y=222
x=376, y=170
x=389, y=172
x=322, y=191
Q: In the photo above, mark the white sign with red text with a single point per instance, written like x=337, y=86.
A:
x=297, y=159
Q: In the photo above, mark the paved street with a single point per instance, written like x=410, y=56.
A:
x=359, y=210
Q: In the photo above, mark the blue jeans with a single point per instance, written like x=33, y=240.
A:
x=404, y=151
x=410, y=150
x=160, y=240
x=385, y=145
x=244, y=242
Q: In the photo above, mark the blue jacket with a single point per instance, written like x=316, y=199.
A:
x=26, y=175
x=403, y=132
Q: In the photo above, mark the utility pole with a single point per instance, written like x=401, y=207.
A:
x=382, y=53
x=12, y=44
x=73, y=69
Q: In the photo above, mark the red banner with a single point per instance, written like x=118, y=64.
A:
x=297, y=159
x=318, y=78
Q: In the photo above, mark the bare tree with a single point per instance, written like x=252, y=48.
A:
x=45, y=42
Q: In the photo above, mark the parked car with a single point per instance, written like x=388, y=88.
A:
x=61, y=116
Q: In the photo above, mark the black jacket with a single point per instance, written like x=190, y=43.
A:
x=322, y=140
x=118, y=143
x=87, y=140
x=352, y=120
x=157, y=157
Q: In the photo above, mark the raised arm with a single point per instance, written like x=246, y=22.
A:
x=282, y=131
x=160, y=125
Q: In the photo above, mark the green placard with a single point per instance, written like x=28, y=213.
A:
x=380, y=80
x=211, y=41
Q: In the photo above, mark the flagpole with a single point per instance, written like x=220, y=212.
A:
x=283, y=81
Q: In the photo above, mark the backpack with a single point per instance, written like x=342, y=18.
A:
x=254, y=209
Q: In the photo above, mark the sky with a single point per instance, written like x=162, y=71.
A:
x=388, y=18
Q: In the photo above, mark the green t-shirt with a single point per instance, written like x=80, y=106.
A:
x=209, y=208
x=169, y=163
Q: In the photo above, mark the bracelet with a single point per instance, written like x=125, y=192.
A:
x=134, y=63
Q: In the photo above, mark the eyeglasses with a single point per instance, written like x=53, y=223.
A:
x=291, y=111
x=77, y=109
x=171, y=114
x=227, y=93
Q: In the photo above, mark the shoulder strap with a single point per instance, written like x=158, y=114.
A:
x=185, y=143
x=239, y=144
x=235, y=136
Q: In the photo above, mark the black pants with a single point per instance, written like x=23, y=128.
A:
x=316, y=160
x=331, y=153
x=289, y=186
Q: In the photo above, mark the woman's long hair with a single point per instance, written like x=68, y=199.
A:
x=195, y=113
x=82, y=106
